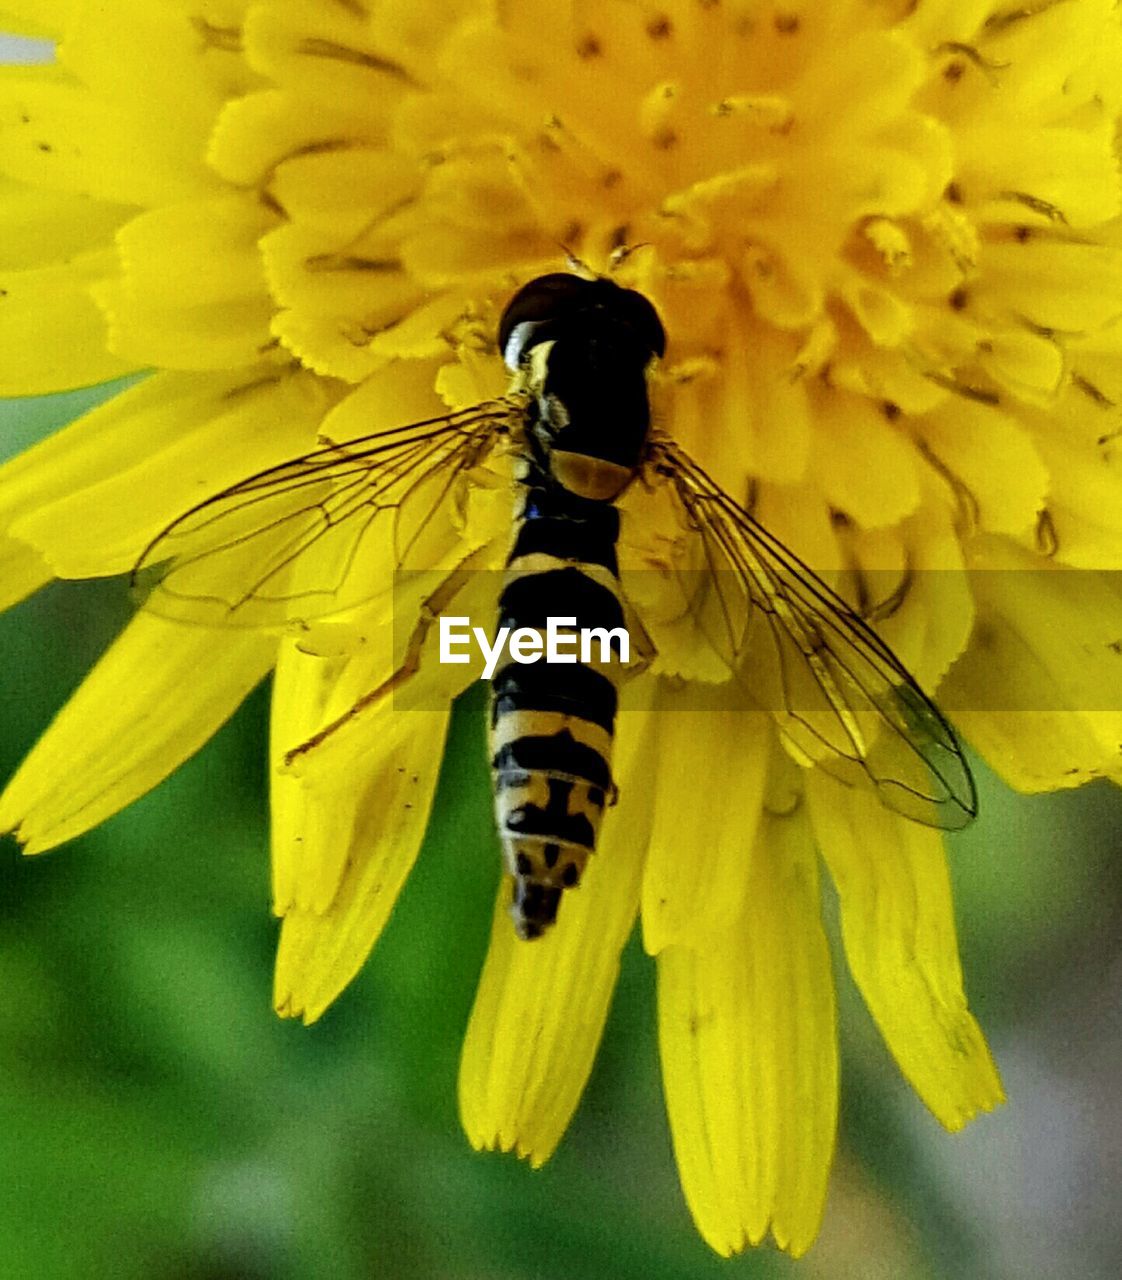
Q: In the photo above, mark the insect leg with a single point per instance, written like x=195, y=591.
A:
x=645, y=648
x=431, y=609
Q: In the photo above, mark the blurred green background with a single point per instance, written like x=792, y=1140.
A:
x=157, y=1120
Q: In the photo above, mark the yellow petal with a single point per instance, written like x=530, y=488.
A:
x=251, y=132
x=60, y=136
x=749, y=1056
x=324, y=52
x=1079, y=442
x=169, y=68
x=541, y=1005
x=215, y=256
x=898, y=928
x=1039, y=690
x=848, y=432
x=341, y=192
x=205, y=306
x=402, y=393
x=214, y=335
x=155, y=75
x=302, y=685
x=158, y=693
x=749, y=395
x=697, y=868
x=91, y=497
x=45, y=227
x=1085, y=505
x=22, y=571
x=1028, y=364
x=914, y=580
x=1053, y=283
x=379, y=639
x=44, y=18
x=885, y=317
x=1006, y=482
x=1045, y=52
x=993, y=159
x=55, y=300
x=349, y=312
x=366, y=837
x=353, y=816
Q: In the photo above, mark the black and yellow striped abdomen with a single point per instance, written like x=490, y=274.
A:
x=552, y=723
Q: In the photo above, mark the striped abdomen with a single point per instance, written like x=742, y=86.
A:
x=552, y=723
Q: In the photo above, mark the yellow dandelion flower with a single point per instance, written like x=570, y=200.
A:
x=884, y=240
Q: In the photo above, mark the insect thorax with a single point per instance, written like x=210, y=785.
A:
x=581, y=349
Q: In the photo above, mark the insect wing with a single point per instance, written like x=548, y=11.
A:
x=841, y=698
x=320, y=535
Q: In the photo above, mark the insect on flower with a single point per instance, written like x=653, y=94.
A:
x=577, y=426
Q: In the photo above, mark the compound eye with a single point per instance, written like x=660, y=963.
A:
x=644, y=322
x=561, y=303
x=542, y=300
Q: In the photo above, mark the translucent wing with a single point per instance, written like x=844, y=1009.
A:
x=841, y=698
x=322, y=534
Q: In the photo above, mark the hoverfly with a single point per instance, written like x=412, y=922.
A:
x=577, y=425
